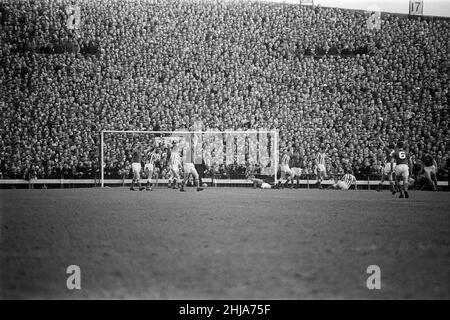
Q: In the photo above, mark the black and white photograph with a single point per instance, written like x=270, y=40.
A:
x=224, y=150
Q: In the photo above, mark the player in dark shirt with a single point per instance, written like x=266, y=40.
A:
x=429, y=169
x=159, y=162
x=136, y=167
x=401, y=157
x=387, y=167
x=416, y=172
x=295, y=165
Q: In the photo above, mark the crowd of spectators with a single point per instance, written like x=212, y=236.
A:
x=315, y=74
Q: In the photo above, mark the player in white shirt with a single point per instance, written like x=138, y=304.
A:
x=296, y=175
x=189, y=168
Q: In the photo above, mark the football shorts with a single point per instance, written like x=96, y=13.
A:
x=387, y=168
x=342, y=185
x=296, y=172
x=189, y=168
x=430, y=170
x=136, y=168
x=402, y=170
x=285, y=169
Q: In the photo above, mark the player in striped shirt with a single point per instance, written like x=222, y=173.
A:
x=174, y=165
x=152, y=157
x=345, y=182
x=321, y=169
x=286, y=173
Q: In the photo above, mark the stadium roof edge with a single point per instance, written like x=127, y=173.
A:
x=383, y=13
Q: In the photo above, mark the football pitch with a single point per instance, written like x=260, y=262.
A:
x=223, y=243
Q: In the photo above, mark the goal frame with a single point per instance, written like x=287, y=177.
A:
x=102, y=143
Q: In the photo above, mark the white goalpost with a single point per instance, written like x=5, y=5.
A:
x=229, y=147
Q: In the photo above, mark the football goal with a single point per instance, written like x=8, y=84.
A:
x=226, y=155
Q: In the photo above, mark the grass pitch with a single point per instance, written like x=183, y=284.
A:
x=223, y=243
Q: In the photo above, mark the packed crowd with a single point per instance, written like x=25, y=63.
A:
x=315, y=74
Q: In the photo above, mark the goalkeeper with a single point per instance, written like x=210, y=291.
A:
x=257, y=183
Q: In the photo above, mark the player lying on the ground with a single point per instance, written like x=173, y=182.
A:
x=259, y=183
x=345, y=182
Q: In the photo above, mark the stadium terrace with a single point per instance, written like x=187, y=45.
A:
x=317, y=75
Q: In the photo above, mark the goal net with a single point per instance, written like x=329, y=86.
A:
x=220, y=155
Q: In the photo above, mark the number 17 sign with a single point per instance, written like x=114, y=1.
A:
x=416, y=7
